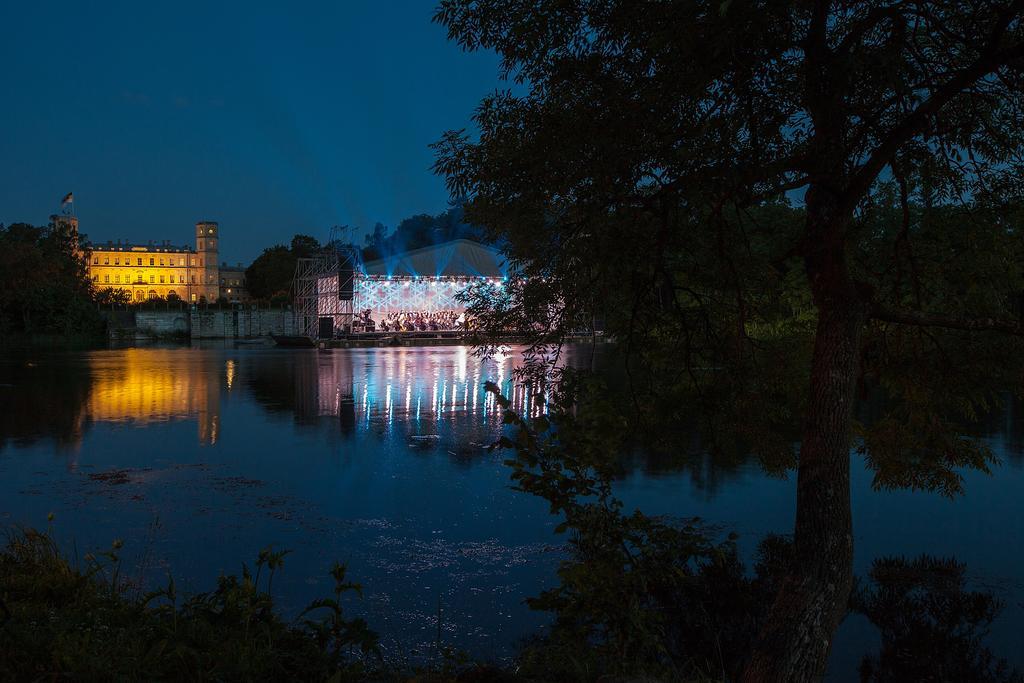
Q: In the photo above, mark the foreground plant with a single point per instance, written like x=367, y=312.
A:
x=60, y=621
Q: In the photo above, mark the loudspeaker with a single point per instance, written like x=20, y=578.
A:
x=346, y=277
x=326, y=330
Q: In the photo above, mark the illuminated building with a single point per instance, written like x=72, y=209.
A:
x=232, y=282
x=162, y=270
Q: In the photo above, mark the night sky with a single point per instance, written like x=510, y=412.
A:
x=271, y=120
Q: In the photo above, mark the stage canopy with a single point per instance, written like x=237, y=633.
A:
x=458, y=258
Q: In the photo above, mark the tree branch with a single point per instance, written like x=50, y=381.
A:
x=871, y=20
x=916, y=121
x=918, y=319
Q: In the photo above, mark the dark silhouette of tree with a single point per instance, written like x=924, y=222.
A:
x=421, y=230
x=271, y=274
x=110, y=295
x=642, y=178
x=45, y=287
x=304, y=246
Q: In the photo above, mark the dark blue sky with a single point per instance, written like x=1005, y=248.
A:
x=272, y=120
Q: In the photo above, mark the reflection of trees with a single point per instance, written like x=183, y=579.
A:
x=711, y=468
x=933, y=628
x=43, y=398
x=1005, y=422
x=284, y=383
x=310, y=386
x=271, y=381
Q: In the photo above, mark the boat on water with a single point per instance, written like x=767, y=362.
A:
x=259, y=341
x=293, y=341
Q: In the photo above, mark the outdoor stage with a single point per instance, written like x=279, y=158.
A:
x=412, y=293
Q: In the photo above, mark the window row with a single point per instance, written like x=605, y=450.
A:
x=152, y=279
x=139, y=261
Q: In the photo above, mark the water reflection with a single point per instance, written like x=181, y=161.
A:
x=43, y=400
x=48, y=397
x=375, y=457
x=381, y=390
x=933, y=623
x=59, y=397
x=144, y=385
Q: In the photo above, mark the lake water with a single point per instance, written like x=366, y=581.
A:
x=198, y=458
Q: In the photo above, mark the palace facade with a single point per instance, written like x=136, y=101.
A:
x=163, y=270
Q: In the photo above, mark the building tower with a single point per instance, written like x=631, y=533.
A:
x=66, y=222
x=208, y=269
x=68, y=227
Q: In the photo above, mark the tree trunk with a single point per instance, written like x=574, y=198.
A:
x=796, y=638
x=813, y=597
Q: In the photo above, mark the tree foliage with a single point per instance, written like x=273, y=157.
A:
x=617, y=605
x=776, y=207
x=271, y=274
x=421, y=230
x=45, y=288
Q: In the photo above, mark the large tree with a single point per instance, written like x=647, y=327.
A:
x=45, y=288
x=629, y=174
x=271, y=274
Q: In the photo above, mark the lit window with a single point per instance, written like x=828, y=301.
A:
x=181, y=279
x=117, y=279
x=193, y=297
x=106, y=260
x=117, y=261
x=106, y=278
x=95, y=260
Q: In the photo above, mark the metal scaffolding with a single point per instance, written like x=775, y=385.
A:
x=323, y=310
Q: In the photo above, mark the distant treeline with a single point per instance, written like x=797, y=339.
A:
x=421, y=230
x=270, y=275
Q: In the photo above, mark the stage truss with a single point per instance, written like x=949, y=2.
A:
x=316, y=295
x=383, y=295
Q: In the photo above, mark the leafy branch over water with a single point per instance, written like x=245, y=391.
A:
x=660, y=598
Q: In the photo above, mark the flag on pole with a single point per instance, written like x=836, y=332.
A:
x=68, y=198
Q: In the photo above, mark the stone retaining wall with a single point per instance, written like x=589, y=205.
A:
x=200, y=324
x=242, y=324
